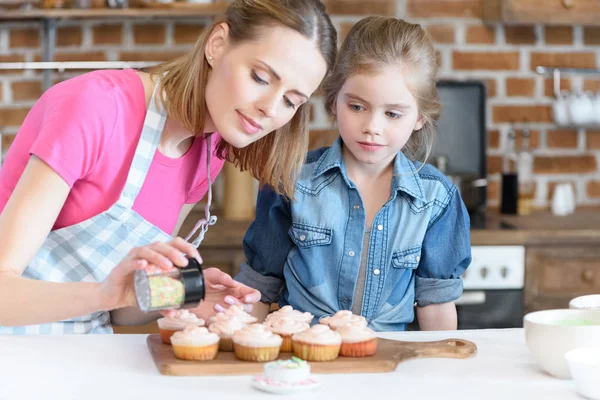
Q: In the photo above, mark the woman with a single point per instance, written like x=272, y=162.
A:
x=107, y=165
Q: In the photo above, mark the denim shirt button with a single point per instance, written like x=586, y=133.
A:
x=345, y=300
x=356, y=207
x=351, y=253
x=376, y=271
x=302, y=238
x=418, y=258
x=379, y=227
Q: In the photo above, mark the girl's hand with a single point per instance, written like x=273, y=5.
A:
x=117, y=289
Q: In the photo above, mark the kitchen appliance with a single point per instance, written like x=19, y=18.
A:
x=460, y=146
x=493, y=289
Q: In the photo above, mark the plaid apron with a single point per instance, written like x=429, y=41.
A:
x=88, y=251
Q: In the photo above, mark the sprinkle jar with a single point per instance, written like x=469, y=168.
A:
x=160, y=290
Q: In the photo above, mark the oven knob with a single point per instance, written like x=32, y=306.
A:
x=504, y=271
x=484, y=272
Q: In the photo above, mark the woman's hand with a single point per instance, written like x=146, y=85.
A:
x=222, y=291
x=117, y=289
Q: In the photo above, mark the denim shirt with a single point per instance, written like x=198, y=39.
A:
x=306, y=252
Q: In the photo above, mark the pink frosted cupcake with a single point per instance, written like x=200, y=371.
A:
x=342, y=318
x=195, y=344
x=286, y=327
x=238, y=312
x=256, y=342
x=289, y=312
x=319, y=343
x=225, y=326
x=176, y=322
x=357, y=341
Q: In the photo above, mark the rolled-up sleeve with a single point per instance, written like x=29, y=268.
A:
x=445, y=255
x=267, y=245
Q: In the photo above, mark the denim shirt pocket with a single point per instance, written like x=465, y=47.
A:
x=305, y=235
x=408, y=258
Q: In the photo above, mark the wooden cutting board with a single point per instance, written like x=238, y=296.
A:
x=389, y=354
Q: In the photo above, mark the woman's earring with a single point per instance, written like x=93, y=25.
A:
x=210, y=58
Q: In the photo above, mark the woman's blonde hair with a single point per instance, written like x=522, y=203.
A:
x=374, y=42
x=277, y=158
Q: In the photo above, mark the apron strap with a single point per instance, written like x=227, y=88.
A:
x=145, y=150
x=202, y=225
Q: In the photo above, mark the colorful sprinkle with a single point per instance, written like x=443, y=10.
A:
x=165, y=292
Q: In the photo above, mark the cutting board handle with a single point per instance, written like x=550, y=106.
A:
x=451, y=348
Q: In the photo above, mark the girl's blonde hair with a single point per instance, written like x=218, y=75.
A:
x=374, y=42
x=277, y=158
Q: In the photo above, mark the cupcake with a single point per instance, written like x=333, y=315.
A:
x=319, y=343
x=342, y=318
x=237, y=312
x=256, y=342
x=357, y=341
x=225, y=326
x=289, y=312
x=195, y=344
x=178, y=320
x=286, y=327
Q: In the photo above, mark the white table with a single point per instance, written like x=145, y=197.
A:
x=120, y=367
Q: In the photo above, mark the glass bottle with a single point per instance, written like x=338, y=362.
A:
x=160, y=290
x=510, y=181
x=525, y=173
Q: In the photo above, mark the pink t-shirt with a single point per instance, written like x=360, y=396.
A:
x=87, y=129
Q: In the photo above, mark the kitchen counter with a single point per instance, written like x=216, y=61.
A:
x=120, y=366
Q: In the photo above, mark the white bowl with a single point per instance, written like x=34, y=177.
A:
x=591, y=302
x=584, y=364
x=552, y=333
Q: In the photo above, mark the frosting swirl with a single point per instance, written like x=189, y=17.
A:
x=225, y=326
x=238, y=312
x=318, y=334
x=256, y=335
x=289, y=312
x=354, y=334
x=179, y=319
x=342, y=318
x=195, y=336
x=286, y=325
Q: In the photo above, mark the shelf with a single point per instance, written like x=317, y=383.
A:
x=106, y=13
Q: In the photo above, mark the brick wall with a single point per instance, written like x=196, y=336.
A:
x=502, y=56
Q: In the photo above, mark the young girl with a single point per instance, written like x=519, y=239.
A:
x=370, y=230
x=110, y=161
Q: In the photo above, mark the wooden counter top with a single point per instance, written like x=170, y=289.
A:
x=542, y=227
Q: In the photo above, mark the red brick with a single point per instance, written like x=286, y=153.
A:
x=344, y=29
x=520, y=87
x=565, y=84
x=591, y=35
x=481, y=34
x=593, y=140
x=12, y=116
x=565, y=164
x=591, y=84
x=558, y=34
x=24, y=37
x=494, y=165
x=187, y=33
x=462, y=60
x=107, y=34
x=493, y=191
x=69, y=36
x=11, y=58
x=76, y=56
x=522, y=113
x=361, y=7
x=490, y=87
x=562, y=139
x=150, y=55
x=445, y=8
x=565, y=60
x=149, y=34
x=520, y=34
x=441, y=33
x=493, y=139
x=27, y=90
x=7, y=140
x=593, y=189
x=1, y=92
